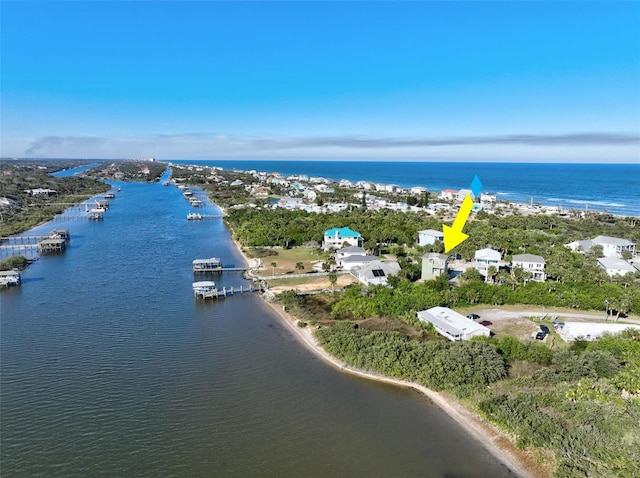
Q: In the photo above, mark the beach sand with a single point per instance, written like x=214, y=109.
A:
x=494, y=440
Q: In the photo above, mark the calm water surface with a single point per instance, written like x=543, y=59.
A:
x=110, y=367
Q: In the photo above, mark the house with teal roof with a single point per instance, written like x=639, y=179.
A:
x=340, y=237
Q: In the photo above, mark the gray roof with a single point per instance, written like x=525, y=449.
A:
x=378, y=269
x=432, y=232
x=360, y=258
x=615, y=263
x=528, y=258
x=487, y=254
x=350, y=249
x=614, y=241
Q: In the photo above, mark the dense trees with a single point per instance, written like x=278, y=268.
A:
x=571, y=401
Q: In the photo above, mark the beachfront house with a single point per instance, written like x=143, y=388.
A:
x=452, y=325
x=531, y=263
x=429, y=236
x=376, y=272
x=614, y=266
x=434, y=265
x=338, y=236
x=448, y=194
x=485, y=258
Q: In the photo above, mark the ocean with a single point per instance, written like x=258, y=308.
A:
x=613, y=188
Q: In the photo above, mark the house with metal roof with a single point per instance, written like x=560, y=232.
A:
x=614, y=266
x=429, y=236
x=376, y=272
x=531, y=263
x=485, y=258
x=452, y=325
x=337, y=237
x=614, y=246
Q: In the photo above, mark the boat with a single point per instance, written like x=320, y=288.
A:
x=194, y=216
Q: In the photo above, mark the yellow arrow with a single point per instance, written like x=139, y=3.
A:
x=453, y=235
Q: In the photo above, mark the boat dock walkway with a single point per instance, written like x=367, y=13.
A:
x=215, y=293
x=213, y=264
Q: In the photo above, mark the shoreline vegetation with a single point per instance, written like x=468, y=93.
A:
x=545, y=408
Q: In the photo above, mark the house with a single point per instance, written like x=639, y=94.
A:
x=351, y=262
x=614, y=266
x=485, y=258
x=463, y=193
x=376, y=272
x=452, y=325
x=349, y=251
x=581, y=247
x=571, y=331
x=613, y=246
x=336, y=237
x=531, y=263
x=429, y=236
x=434, y=265
x=448, y=194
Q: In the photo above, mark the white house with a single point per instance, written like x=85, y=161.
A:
x=452, y=325
x=613, y=246
x=349, y=251
x=376, y=272
x=418, y=190
x=336, y=237
x=463, y=192
x=351, y=262
x=429, y=236
x=571, y=331
x=434, y=265
x=531, y=263
x=448, y=194
x=614, y=266
x=485, y=258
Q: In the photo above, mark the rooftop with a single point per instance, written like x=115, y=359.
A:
x=341, y=232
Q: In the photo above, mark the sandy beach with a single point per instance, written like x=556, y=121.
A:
x=494, y=440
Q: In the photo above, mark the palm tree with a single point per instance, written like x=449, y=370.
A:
x=491, y=273
x=333, y=278
x=299, y=266
x=274, y=264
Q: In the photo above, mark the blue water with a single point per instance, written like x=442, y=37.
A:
x=614, y=188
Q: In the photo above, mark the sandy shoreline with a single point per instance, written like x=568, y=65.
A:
x=494, y=440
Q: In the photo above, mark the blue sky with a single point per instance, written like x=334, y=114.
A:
x=506, y=81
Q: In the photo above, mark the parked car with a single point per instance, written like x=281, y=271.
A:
x=486, y=323
x=540, y=335
x=544, y=329
x=473, y=316
x=558, y=325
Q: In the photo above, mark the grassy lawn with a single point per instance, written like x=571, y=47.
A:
x=286, y=260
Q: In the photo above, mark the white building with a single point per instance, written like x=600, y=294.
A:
x=336, y=237
x=376, y=272
x=429, y=236
x=614, y=266
x=531, y=263
x=485, y=258
x=571, y=331
x=462, y=194
x=351, y=262
x=613, y=246
x=452, y=325
x=349, y=251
